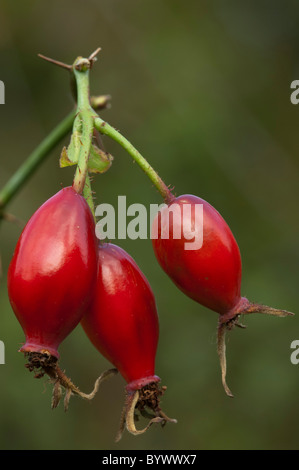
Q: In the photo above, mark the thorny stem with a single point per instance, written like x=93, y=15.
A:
x=81, y=71
x=91, y=120
x=83, y=111
x=87, y=193
x=86, y=110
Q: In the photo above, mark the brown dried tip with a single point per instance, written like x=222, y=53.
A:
x=225, y=325
x=221, y=349
x=142, y=400
x=56, y=62
x=43, y=364
x=92, y=57
x=88, y=62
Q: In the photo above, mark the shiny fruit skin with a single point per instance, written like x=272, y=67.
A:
x=211, y=275
x=53, y=270
x=122, y=322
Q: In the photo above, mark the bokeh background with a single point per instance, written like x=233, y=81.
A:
x=202, y=89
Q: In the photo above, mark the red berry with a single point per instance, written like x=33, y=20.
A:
x=122, y=323
x=211, y=273
x=53, y=270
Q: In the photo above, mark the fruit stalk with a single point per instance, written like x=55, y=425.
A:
x=106, y=129
x=81, y=73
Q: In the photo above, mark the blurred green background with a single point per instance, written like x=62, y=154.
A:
x=202, y=89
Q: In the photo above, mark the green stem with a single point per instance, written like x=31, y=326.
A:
x=104, y=128
x=24, y=172
x=87, y=193
x=83, y=111
x=87, y=120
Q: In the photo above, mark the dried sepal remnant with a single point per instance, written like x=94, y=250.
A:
x=146, y=401
x=56, y=394
x=45, y=364
x=224, y=325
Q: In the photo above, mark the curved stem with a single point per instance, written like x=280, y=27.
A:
x=19, y=178
x=104, y=128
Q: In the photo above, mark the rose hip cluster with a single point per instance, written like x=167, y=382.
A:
x=61, y=275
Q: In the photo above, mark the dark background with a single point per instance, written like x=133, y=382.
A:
x=202, y=89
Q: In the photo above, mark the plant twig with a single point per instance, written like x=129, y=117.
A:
x=23, y=173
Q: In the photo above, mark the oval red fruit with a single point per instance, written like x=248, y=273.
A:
x=210, y=274
x=122, y=323
x=53, y=270
x=196, y=248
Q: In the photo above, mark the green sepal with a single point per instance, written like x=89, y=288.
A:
x=69, y=156
x=99, y=161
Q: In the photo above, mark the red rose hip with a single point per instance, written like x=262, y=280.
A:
x=122, y=323
x=196, y=248
x=51, y=274
x=51, y=277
